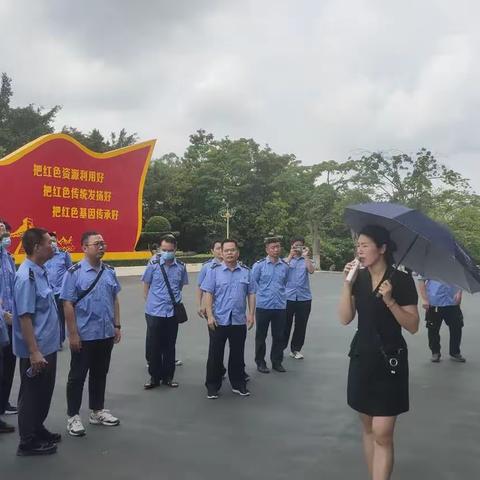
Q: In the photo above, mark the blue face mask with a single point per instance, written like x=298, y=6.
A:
x=54, y=246
x=6, y=242
x=167, y=255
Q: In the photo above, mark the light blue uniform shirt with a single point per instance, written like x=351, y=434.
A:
x=298, y=282
x=440, y=294
x=159, y=303
x=94, y=313
x=270, y=282
x=56, y=268
x=33, y=295
x=7, y=279
x=230, y=289
x=205, y=267
x=4, y=338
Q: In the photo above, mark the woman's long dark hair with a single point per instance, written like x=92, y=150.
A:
x=380, y=237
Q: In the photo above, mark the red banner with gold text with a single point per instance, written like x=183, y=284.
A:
x=58, y=184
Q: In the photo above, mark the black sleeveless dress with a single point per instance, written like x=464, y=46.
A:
x=372, y=389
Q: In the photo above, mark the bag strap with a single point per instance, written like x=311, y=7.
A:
x=84, y=293
x=386, y=276
x=167, y=283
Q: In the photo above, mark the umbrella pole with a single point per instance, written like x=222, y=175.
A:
x=407, y=252
x=377, y=294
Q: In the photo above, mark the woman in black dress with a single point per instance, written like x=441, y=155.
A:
x=378, y=391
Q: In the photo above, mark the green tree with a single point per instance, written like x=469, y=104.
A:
x=157, y=224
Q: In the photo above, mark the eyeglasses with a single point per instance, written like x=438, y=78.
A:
x=97, y=244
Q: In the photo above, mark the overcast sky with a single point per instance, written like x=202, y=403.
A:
x=323, y=79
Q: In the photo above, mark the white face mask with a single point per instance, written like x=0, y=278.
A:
x=6, y=242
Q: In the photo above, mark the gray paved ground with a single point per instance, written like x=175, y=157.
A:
x=295, y=425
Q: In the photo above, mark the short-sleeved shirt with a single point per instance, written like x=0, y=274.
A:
x=95, y=312
x=7, y=279
x=374, y=315
x=205, y=267
x=270, y=282
x=56, y=268
x=4, y=338
x=298, y=282
x=34, y=296
x=441, y=294
x=230, y=288
x=159, y=303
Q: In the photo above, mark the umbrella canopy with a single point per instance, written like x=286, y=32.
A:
x=423, y=245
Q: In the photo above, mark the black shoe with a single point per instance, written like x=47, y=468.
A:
x=151, y=383
x=242, y=391
x=48, y=437
x=36, y=448
x=6, y=428
x=435, y=357
x=278, y=368
x=262, y=368
x=170, y=383
x=212, y=395
x=458, y=357
x=10, y=410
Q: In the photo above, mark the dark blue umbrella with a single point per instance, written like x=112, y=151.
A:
x=423, y=245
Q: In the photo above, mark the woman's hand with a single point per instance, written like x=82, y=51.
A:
x=385, y=291
x=348, y=267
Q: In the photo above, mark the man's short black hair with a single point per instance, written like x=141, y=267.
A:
x=297, y=239
x=32, y=237
x=229, y=240
x=8, y=228
x=214, y=242
x=86, y=236
x=268, y=240
x=169, y=239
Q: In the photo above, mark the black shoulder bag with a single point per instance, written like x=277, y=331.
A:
x=84, y=293
x=179, y=311
x=394, y=358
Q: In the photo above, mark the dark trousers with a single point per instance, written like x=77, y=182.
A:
x=161, y=340
x=94, y=359
x=300, y=310
x=35, y=397
x=61, y=318
x=265, y=317
x=236, y=335
x=453, y=317
x=9, y=362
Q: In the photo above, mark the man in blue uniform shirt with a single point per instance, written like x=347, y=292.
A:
x=270, y=276
x=162, y=326
x=36, y=336
x=216, y=250
x=56, y=268
x=92, y=311
x=7, y=278
x=227, y=288
x=4, y=340
x=442, y=302
x=299, y=297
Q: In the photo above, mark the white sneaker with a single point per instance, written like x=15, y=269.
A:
x=297, y=355
x=178, y=363
x=103, y=417
x=75, y=426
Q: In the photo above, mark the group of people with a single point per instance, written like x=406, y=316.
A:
x=48, y=294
